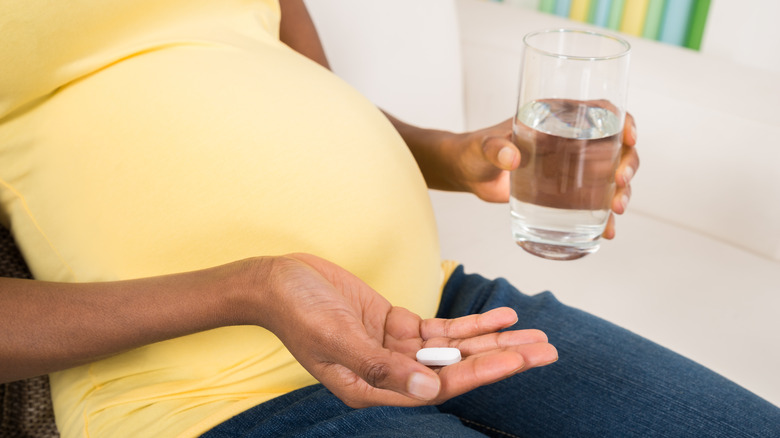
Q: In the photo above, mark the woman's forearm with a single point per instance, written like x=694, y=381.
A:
x=49, y=326
x=297, y=31
x=430, y=149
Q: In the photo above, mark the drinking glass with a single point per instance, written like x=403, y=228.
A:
x=568, y=128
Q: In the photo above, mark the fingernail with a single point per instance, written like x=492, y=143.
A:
x=633, y=132
x=423, y=386
x=506, y=156
x=628, y=174
x=624, y=202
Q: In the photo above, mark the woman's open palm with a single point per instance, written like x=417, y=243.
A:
x=363, y=349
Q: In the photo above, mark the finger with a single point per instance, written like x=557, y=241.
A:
x=609, y=230
x=621, y=199
x=496, y=341
x=500, y=152
x=629, y=163
x=400, y=324
x=494, y=366
x=534, y=354
x=490, y=342
x=629, y=131
x=384, y=369
x=357, y=393
x=468, y=326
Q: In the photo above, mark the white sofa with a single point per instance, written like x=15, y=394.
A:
x=696, y=263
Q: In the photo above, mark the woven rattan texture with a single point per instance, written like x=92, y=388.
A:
x=25, y=405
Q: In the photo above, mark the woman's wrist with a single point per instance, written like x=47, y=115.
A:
x=265, y=289
x=248, y=298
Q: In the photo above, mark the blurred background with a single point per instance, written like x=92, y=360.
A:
x=743, y=31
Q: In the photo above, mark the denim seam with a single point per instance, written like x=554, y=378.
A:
x=492, y=429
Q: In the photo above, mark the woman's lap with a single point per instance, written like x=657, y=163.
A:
x=607, y=382
x=315, y=412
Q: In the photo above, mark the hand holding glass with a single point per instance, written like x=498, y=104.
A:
x=568, y=128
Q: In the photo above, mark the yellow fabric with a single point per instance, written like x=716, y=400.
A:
x=144, y=137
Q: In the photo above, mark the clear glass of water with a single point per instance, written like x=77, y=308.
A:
x=568, y=128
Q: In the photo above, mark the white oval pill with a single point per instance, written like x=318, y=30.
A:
x=438, y=357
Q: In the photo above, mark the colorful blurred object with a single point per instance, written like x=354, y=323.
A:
x=677, y=22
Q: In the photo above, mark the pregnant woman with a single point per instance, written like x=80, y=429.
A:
x=229, y=240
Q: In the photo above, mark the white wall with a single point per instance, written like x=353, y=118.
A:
x=744, y=31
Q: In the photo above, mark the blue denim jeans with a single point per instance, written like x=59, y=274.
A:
x=608, y=382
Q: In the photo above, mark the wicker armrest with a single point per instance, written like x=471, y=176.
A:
x=25, y=405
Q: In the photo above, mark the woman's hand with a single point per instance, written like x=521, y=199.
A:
x=363, y=349
x=479, y=162
x=629, y=164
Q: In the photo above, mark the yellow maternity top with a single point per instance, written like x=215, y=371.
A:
x=145, y=137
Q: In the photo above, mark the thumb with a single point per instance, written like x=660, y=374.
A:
x=385, y=369
x=500, y=152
